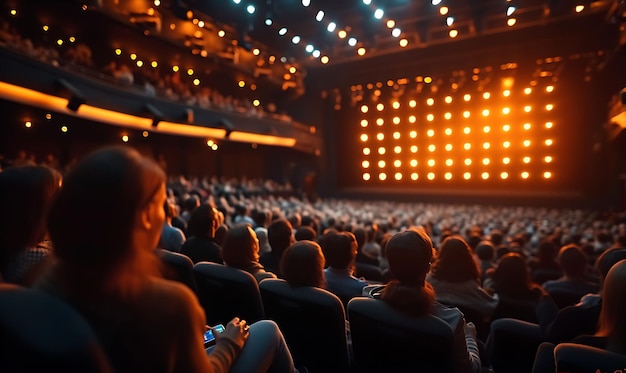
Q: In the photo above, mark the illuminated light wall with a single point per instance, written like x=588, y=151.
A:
x=495, y=127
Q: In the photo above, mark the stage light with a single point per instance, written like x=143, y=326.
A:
x=395, y=105
x=398, y=176
x=413, y=134
x=486, y=145
x=449, y=162
x=397, y=163
x=506, y=144
x=527, y=90
x=506, y=160
x=506, y=111
x=412, y=119
x=527, y=126
x=397, y=149
x=28, y=124
x=412, y=103
x=396, y=120
x=365, y=164
x=64, y=129
x=525, y=175
x=432, y=148
x=396, y=32
x=526, y=143
x=364, y=123
x=380, y=136
x=467, y=175
x=485, y=112
x=379, y=13
x=125, y=138
x=549, y=107
x=506, y=93
x=453, y=33
x=466, y=114
x=413, y=148
x=364, y=109
x=548, y=142
x=382, y=150
x=381, y=164
x=485, y=175
x=467, y=146
x=331, y=26
x=549, y=125
x=382, y=176
x=380, y=121
x=550, y=88
x=447, y=116
x=364, y=137
x=366, y=176
x=396, y=135
x=467, y=97
x=352, y=42
x=486, y=95
x=380, y=107
x=320, y=16
x=547, y=175
x=506, y=128
x=448, y=131
x=468, y=162
x=448, y=147
x=547, y=159
x=190, y=72
x=431, y=163
x=527, y=108
x=366, y=151
x=448, y=99
x=504, y=175
x=430, y=101
x=486, y=161
x=430, y=133
x=414, y=176
x=511, y=22
x=431, y=176
x=413, y=163
x=526, y=160
x=486, y=129
x=443, y=10
x=448, y=175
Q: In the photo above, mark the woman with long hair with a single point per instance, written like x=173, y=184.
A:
x=105, y=225
x=612, y=323
x=302, y=264
x=241, y=251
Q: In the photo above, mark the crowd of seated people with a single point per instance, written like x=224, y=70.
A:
x=471, y=285
x=172, y=85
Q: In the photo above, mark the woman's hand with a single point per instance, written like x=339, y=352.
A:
x=237, y=331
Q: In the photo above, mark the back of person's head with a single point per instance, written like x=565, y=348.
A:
x=26, y=194
x=511, y=276
x=547, y=251
x=240, y=246
x=191, y=203
x=361, y=237
x=485, y=251
x=608, y=259
x=295, y=220
x=203, y=221
x=339, y=249
x=473, y=240
x=305, y=233
x=308, y=220
x=302, y=264
x=454, y=262
x=496, y=237
x=280, y=235
x=260, y=218
x=410, y=253
x=106, y=202
x=573, y=261
x=612, y=322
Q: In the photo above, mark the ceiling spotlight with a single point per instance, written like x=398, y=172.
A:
x=331, y=27
x=309, y=48
x=282, y=31
x=316, y=53
x=367, y=2
x=436, y=2
x=268, y=21
x=510, y=10
x=352, y=42
x=237, y=1
x=306, y=2
x=449, y=21
x=295, y=39
x=396, y=32
x=320, y=16
x=379, y=13
x=251, y=9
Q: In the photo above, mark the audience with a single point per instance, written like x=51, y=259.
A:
x=280, y=236
x=172, y=238
x=201, y=245
x=340, y=252
x=241, y=251
x=302, y=264
x=108, y=271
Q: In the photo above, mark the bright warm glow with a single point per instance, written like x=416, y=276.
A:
x=547, y=175
x=550, y=89
x=504, y=175
x=467, y=146
x=453, y=33
x=398, y=176
x=506, y=93
x=448, y=131
x=486, y=145
x=549, y=125
x=324, y=60
x=396, y=120
x=412, y=103
x=448, y=175
x=395, y=105
x=526, y=126
x=125, y=138
x=526, y=160
x=506, y=111
x=380, y=107
x=506, y=160
x=430, y=102
x=364, y=137
x=366, y=176
x=485, y=112
x=511, y=22
x=366, y=151
x=485, y=175
x=468, y=162
x=365, y=164
x=380, y=136
x=381, y=164
x=548, y=142
x=413, y=148
x=547, y=159
x=133, y=56
x=486, y=95
x=413, y=134
x=382, y=176
x=467, y=176
x=506, y=144
x=413, y=163
x=449, y=162
x=397, y=149
x=527, y=90
x=506, y=128
x=64, y=129
x=412, y=119
x=448, y=147
x=486, y=161
x=486, y=129
x=382, y=150
x=175, y=68
x=466, y=114
x=432, y=148
x=28, y=124
x=447, y=116
x=380, y=121
x=443, y=10
x=414, y=176
x=448, y=99
x=430, y=133
x=364, y=123
x=467, y=97
x=431, y=163
x=526, y=143
x=361, y=51
x=579, y=8
x=428, y=80
x=364, y=109
x=431, y=176
x=397, y=163
x=525, y=175
x=527, y=108
x=396, y=135
x=549, y=107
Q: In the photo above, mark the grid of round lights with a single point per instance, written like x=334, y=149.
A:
x=505, y=133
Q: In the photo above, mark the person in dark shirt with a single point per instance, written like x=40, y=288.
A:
x=201, y=245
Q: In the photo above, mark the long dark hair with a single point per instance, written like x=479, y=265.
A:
x=302, y=264
x=455, y=262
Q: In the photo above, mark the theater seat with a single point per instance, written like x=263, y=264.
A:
x=178, y=267
x=40, y=333
x=384, y=340
x=225, y=292
x=313, y=323
x=571, y=357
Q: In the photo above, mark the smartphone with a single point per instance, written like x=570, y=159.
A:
x=209, y=338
